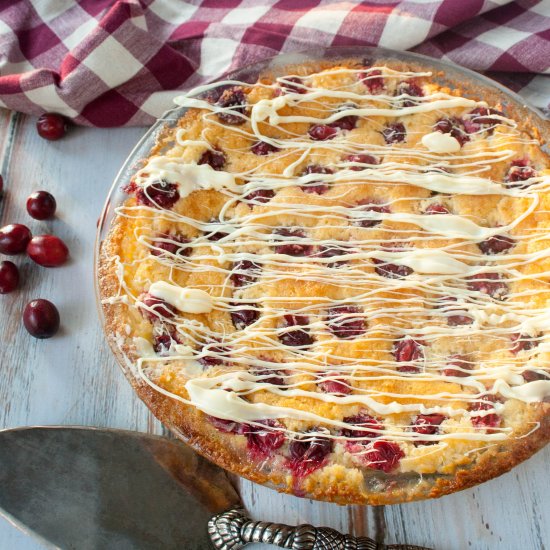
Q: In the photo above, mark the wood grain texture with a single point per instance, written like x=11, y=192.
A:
x=73, y=379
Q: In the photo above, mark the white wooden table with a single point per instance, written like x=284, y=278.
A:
x=72, y=378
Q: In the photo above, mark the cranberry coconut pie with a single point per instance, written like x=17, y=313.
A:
x=335, y=282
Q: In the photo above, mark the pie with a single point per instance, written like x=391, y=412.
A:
x=335, y=281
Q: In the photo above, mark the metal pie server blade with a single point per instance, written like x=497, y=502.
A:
x=86, y=488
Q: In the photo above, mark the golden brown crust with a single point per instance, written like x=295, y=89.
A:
x=228, y=451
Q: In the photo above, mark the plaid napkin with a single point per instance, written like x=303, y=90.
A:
x=106, y=63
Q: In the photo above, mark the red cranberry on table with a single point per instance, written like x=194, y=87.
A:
x=51, y=126
x=14, y=238
x=9, y=277
x=41, y=205
x=47, y=250
x=41, y=318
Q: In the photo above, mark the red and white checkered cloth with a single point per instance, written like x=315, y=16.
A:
x=106, y=63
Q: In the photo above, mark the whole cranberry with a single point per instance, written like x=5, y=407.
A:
x=9, y=277
x=362, y=424
x=155, y=308
x=51, y=126
x=394, y=133
x=47, y=250
x=265, y=437
x=293, y=85
x=214, y=158
x=14, y=238
x=233, y=101
x=322, y=132
x=41, y=318
x=382, y=455
x=41, y=205
x=262, y=148
x=296, y=337
x=161, y=195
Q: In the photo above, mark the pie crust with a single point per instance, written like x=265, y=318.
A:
x=339, y=287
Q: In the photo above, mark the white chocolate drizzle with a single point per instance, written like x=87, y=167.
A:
x=446, y=256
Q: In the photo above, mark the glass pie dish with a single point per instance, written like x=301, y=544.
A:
x=378, y=485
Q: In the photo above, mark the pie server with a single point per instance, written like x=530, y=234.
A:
x=86, y=488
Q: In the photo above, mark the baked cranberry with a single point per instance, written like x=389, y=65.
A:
x=382, y=455
x=9, y=277
x=212, y=234
x=161, y=194
x=456, y=314
x=519, y=171
x=293, y=85
x=171, y=244
x=162, y=344
x=331, y=251
x=426, y=424
x=453, y=126
x=214, y=353
x=458, y=366
x=480, y=117
x=373, y=80
x=41, y=205
x=226, y=426
x=47, y=250
x=369, y=206
x=348, y=122
x=214, y=158
x=496, y=244
x=14, y=239
x=244, y=315
x=411, y=89
x=234, y=100
x=155, y=308
x=408, y=350
x=523, y=342
x=270, y=376
x=41, y=318
x=264, y=438
x=51, y=126
x=292, y=248
x=322, y=132
x=245, y=272
x=298, y=337
x=535, y=376
x=262, y=148
x=346, y=322
x=391, y=271
x=259, y=196
x=363, y=424
x=336, y=386
x=436, y=208
x=488, y=421
x=317, y=187
x=394, y=132
x=308, y=453
x=490, y=283
x=361, y=158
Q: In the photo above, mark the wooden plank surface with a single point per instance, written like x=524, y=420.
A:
x=72, y=378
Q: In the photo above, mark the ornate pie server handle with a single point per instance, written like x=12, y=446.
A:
x=233, y=529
